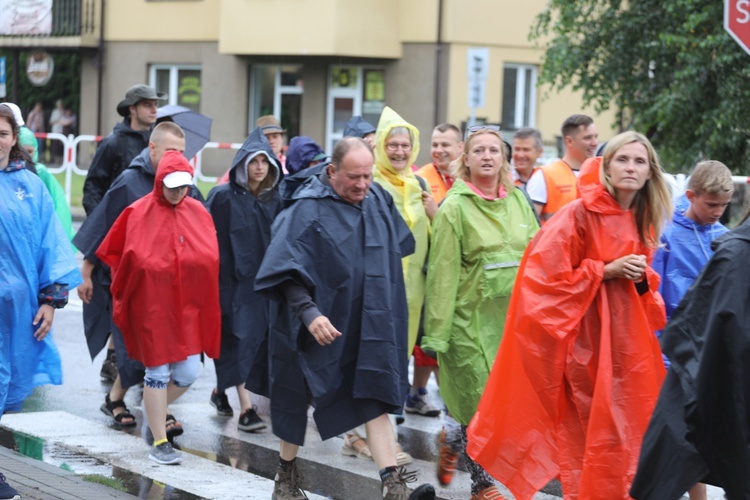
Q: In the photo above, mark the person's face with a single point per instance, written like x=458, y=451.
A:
x=629, y=168
x=525, y=154
x=30, y=150
x=707, y=208
x=276, y=139
x=257, y=169
x=352, y=181
x=485, y=158
x=143, y=113
x=398, y=150
x=582, y=144
x=169, y=142
x=370, y=139
x=444, y=148
x=175, y=195
x=7, y=141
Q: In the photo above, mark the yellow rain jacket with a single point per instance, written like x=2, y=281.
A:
x=478, y=246
x=406, y=191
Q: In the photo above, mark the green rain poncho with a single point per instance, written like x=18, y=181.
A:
x=406, y=191
x=477, y=245
x=26, y=138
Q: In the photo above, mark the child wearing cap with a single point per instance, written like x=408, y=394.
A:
x=165, y=266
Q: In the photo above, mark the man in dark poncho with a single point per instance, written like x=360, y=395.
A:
x=334, y=263
x=700, y=428
x=132, y=184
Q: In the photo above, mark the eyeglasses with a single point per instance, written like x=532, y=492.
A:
x=394, y=146
x=477, y=128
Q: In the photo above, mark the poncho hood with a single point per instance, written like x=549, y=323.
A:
x=255, y=143
x=27, y=138
x=302, y=150
x=358, y=127
x=172, y=161
x=389, y=120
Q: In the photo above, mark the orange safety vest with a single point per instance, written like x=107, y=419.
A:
x=439, y=183
x=561, y=188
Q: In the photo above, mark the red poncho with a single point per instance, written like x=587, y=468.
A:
x=579, y=368
x=165, y=275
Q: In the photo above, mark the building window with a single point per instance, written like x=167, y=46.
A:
x=181, y=83
x=277, y=90
x=519, y=96
x=353, y=90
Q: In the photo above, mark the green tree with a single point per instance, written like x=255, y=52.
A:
x=667, y=66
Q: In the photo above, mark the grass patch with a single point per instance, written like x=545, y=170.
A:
x=112, y=482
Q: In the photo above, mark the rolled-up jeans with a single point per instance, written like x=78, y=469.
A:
x=182, y=373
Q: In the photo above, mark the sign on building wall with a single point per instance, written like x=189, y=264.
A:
x=39, y=68
x=25, y=17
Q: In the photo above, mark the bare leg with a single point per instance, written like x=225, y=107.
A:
x=698, y=492
x=174, y=392
x=244, y=395
x=288, y=451
x=155, y=404
x=381, y=441
x=422, y=376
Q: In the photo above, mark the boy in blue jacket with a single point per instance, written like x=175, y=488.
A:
x=686, y=242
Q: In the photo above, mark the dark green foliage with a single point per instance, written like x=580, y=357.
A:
x=677, y=76
x=65, y=83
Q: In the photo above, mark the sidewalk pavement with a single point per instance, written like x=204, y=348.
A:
x=35, y=479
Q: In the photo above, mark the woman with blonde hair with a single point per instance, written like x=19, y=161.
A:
x=479, y=236
x=579, y=368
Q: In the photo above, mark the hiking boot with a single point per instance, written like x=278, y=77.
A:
x=394, y=486
x=220, y=401
x=288, y=483
x=7, y=492
x=491, y=493
x=164, y=454
x=250, y=421
x=109, y=367
x=447, y=461
x=420, y=404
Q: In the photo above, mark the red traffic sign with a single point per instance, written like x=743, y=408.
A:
x=737, y=21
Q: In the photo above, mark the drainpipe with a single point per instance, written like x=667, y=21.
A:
x=438, y=54
x=100, y=68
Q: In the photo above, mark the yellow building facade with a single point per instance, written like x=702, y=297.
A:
x=315, y=63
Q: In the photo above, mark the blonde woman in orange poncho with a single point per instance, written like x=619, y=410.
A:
x=579, y=368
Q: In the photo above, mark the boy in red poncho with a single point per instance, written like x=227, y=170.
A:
x=165, y=288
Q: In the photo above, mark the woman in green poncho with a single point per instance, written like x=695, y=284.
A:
x=478, y=238
x=27, y=141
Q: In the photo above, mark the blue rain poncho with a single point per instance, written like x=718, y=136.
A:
x=35, y=254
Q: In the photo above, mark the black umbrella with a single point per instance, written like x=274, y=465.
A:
x=197, y=127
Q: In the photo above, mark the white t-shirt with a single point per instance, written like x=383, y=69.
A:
x=537, y=187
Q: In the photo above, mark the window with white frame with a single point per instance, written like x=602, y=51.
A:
x=519, y=96
x=277, y=91
x=181, y=82
x=353, y=90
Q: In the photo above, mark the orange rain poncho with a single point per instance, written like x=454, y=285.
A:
x=579, y=368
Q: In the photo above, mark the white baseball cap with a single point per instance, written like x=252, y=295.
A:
x=16, y=113
x=178, y=179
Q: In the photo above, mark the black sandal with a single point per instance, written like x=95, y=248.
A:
x=173, y=427
x=109, y=407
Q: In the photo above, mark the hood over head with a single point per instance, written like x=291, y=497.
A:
x=358, y=127
x=303, y=150
x=256, y=143
x=389, y=120
x=27, y=138
x=171, y=162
